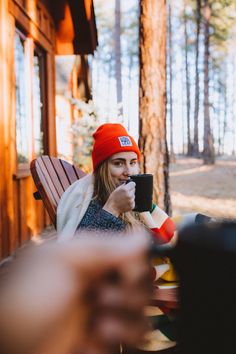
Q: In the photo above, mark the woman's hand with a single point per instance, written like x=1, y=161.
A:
x=121, y=200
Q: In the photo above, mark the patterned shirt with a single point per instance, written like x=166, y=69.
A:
x=96, y=218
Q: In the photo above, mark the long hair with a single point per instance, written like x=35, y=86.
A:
x=104, y=186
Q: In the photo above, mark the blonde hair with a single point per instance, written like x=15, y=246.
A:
x=104, y=186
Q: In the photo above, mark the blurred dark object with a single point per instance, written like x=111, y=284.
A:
x=192, y=219
x=205, y=259
x=202, y=219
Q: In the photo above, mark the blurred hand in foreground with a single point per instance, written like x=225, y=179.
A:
x=85, y=296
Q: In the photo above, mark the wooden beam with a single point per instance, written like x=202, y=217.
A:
x=85, y=39
x=76, y=28
x=37, y=23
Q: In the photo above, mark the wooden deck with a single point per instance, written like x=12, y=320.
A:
x=49, y=233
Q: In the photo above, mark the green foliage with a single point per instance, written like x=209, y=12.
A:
x=22, y=159
x=82, y=133
x=222, y=21
x=105, y=25
x=130, y=34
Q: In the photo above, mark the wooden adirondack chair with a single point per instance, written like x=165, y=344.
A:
x=52, y=176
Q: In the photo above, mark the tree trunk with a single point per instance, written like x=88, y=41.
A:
x=225, y=124
x=208, y=151
x=172, y=155
x=109, y=89
x=152, y=103
x=197, y=89
x=130, y=88
x=219, y=116
x=233, y=115
x=182, y=110
x=117, y=41
x=189, y=145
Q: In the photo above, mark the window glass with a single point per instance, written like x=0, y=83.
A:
x=29, y=61
x=38, y=105
x=22, y=124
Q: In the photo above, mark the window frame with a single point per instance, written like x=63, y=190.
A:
x=43, y=89
x=23, y=169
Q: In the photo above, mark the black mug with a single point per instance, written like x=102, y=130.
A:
x=143, y=191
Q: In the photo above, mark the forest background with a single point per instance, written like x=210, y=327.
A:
x=200, y=82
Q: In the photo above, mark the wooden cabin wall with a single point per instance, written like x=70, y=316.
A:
x=20, y=215
x=3, y=103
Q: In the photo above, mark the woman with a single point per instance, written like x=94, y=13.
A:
x=104, y=200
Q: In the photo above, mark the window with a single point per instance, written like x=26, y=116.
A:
x=30, y=107
x=38, y=106
x=22, y=126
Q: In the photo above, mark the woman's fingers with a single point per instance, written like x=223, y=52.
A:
x=121, y=199
x=130, y=186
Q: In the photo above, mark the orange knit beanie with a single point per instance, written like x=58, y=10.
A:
x=109, y=139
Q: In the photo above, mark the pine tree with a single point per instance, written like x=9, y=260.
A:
x=170, y=62
x=117, y=56
x=187, y=80
x=197, y=88
x=208, y=146
x=153, y=97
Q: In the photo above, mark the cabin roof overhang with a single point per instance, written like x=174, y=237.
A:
x=76, y=31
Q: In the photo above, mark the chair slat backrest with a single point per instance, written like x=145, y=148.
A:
x=52, y=176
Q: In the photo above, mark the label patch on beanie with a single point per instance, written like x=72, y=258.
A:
x=125, y=141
